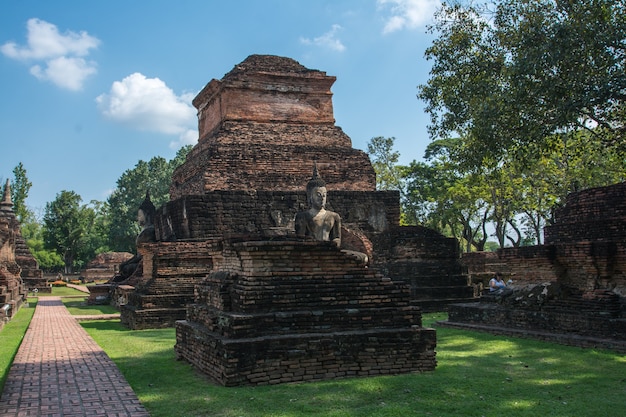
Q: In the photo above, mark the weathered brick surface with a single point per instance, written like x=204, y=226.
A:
x=263, y=127
x=430, y=262
x=16, y=262
x=595, y=214
x=290, y=310
x=170, y=272
x=262, y=213
x=104, y=266
x=584, y=257
x=266, y=88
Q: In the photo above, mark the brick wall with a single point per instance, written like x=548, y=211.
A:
x=582, y=267
x=289, y=310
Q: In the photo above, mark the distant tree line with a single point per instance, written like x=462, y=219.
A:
x=71, y=233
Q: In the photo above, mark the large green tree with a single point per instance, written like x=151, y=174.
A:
x=47, y=259
x=155, y=177
x=65, y=225
x=512, y=78
x=20, y=186
x=385, y=163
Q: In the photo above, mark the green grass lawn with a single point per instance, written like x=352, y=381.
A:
x=477, y=375
x=11, y=337
x=65, y=292
x=79, y=307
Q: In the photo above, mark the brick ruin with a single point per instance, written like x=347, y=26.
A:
x=262, y=127
x=104, y=266
x=30, y=273
x=227, y=263
x=572, y=289
x=283, y=310
x=19, y=272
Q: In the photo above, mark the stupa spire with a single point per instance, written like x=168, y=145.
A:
x=6, y=203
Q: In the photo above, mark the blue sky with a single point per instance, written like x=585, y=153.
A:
x=89, y=88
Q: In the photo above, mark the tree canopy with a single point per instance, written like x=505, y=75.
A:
x=510, y=79
x=65, y=223
x=154, y=177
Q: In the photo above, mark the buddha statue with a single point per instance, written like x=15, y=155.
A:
x=145, y=217
x=317, y=222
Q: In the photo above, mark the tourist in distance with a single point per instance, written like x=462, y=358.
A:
x=497, y=283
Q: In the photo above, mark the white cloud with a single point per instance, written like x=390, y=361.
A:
x=148, y=104
x=408, y=14
x=58, y=57
x=65, y=72
x=327, y=40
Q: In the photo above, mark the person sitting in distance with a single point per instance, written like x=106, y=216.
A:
x=496, y=283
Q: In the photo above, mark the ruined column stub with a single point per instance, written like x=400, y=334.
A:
x=262, y=126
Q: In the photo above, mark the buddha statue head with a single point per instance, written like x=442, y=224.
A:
x=316, y=191
x=146, y=212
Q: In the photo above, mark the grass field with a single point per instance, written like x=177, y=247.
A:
x=477, y=375
x=11, y=337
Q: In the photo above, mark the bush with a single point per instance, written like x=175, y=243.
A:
x=59, y=283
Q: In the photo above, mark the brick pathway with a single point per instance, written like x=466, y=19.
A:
x=60, y=371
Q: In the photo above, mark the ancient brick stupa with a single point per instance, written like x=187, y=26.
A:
x=263, y=127
x=270, y=306
x=16, y=262
x=572, y=289
x=30, y=273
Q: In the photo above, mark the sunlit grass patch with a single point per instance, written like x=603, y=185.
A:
x=477, y=375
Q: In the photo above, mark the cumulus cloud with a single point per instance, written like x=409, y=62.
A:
x=327, y=40
x=408, y=14
x=148, y=104
x=56, y=57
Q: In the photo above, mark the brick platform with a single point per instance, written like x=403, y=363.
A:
x=60, y=371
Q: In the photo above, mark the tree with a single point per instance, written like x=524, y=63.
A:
x=447, y=196
x=385, y=163
x=20, y=187
x=96, y=232
x=531, y=70
x=65, y=223
x=47, y=259
x=154, y=176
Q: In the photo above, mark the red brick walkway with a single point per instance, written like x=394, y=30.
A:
x=60, y=371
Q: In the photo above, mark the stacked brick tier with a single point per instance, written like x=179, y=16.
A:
x=596, y=214
x=12, y=291
x=259, y=213
x=288, y=311
x=170, y=272
x=272, y=156
x=262, y=127
x=30, y=274
x=586, y=319
x=430, y=262
x=15, y=261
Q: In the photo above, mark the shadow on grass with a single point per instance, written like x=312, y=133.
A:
x=477, y=375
